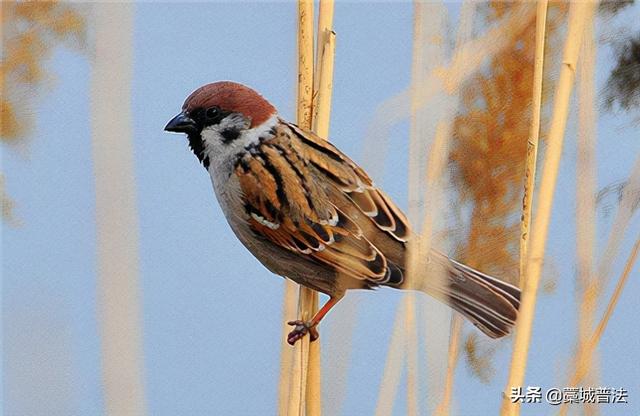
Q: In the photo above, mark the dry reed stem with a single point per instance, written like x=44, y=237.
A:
x=464, y=64
x=439, y=316
x=325, y=31
x=411, y=346
x=415, y=146
x=323, y=82
x=465, y=31
x=307, y=299
x=624, y=213
x=625, y=210
x=286, y=352
x=444, y=407
x=419, y=248
x=581, y=371
x=393, y=365
x=116, y=212
x=582, y=366
x=579, y=13
x=406, y=340
x=324, y=74
x=585, y=198
x=532, y=143
x=338, y=337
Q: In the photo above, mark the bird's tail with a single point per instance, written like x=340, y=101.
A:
x=490, y=304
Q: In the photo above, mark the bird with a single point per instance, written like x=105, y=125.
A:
x=309, y=213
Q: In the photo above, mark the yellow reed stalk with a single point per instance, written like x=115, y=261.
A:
x=585, y=200
x=324, y=73
x=579, y=13
x=582, y=366
x=393, y=365
x=419, y=248
x=582, y=370
x=305, y=63
x=411, y=345
x=116, y=212
x=409, y=299
x=621, y=221
x=465, y=31
x=286, y=352
x=452, y=360
x=532, y=143
x=321, y=115
x=616, y=234
x=323, y=81
x=307, y=299
x=465, y=63
x=325, y=31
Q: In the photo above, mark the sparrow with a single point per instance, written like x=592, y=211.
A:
x=309, y=213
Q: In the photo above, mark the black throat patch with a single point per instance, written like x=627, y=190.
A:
x=197, y=146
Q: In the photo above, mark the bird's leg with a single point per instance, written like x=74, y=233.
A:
x=302, y=327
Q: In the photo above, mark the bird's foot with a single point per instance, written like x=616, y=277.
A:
x=301, y=329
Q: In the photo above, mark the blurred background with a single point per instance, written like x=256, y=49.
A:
x=120, y=275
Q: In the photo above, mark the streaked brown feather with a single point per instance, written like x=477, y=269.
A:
x=326, y=206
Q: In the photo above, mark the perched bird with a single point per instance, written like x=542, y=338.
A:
x=308, y=212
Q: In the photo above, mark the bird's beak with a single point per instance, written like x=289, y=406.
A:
x=182, y=123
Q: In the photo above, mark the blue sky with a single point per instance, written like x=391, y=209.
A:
x=211, y=313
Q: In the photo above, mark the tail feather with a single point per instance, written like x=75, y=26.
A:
x=490, y=304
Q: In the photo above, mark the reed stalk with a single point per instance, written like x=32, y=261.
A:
x=286, y=352
x=579, y=14
x=323, y=87
x=444, y=407
x=116, y=212
x=418, y=250
x=415, y=146
x=625, y=210
x=532, y=143
x=307, y=298
x=465, y=63
x=581, y=370
x=464, y=34
x=393, y=365
x=586, y=180
x=313, y=113
x=323, y=80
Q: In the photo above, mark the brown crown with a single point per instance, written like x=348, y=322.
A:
x=231, y=96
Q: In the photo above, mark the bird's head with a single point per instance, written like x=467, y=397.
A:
x=216, y=115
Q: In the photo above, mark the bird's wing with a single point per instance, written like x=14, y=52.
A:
x=304, y=195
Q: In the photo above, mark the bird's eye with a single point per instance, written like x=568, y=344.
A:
x=212, y=112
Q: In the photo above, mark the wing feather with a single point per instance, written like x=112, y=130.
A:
x=305, y=196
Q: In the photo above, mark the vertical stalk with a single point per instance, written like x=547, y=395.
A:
x=582, y=366
x=532, y=143
x=415, y=147
x=313, y=111
x=393, y=366
x=322, y=92
x=581, y=371
x=465, y=32
x=323, y=77
x=579, y=13
x=585, y=199
x=443, y=408
x=116, y=212
x=307, y=298
x=286, y=352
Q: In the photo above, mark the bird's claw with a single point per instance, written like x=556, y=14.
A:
x=301, y=329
